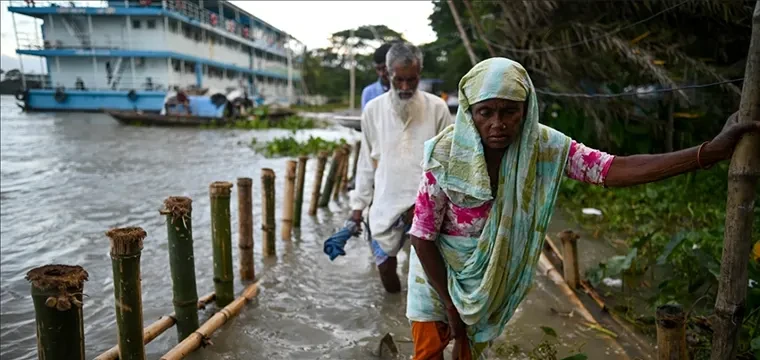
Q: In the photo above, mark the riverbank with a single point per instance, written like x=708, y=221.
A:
x=669, y=237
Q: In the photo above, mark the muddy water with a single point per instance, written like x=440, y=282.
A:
x=67, y=178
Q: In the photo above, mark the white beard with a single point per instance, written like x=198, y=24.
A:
x=406, y=109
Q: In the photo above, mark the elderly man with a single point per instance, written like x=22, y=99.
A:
x=382, y=85
x=395, y=126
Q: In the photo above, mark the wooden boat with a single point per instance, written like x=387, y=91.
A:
x=353, y=122
x=153, y=119
x=174, y=120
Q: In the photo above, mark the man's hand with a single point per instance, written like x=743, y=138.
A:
x=356, y=216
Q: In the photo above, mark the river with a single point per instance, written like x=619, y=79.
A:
x=67, y=178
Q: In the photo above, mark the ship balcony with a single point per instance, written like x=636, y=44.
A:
x=97, y=82
x=228, y=21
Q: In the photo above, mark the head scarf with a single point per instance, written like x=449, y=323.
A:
x=488, y=276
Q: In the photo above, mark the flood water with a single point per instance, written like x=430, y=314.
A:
x=67, y=178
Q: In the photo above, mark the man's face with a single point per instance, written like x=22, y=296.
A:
x=405, y=78
x=382, y=72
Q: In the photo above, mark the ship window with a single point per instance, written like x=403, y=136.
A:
x=150, y=24
x=173, y=26
x=135, y=24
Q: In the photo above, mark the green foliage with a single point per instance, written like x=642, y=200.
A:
x=258, y=123
x=290, y=147
x=546, y=349
x=673, y=229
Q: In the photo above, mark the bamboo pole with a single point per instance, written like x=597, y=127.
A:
x=155, y=329
x=644, y=345
x=267, y=212
x=330, y=181
x=743, y=175
x=339, y=175
x=462, y=33
x=245, y=228
x=126, y=248
x=344, y=179
x=479, y=28
x=221, y=241
x=357, y=149
x=179, y=229
x=199, y=337
x=57, y=297
x=671, y=333
x=546, y=267
x=287, y=206
x=570, y=262
x=301, y=177
x=321, y=161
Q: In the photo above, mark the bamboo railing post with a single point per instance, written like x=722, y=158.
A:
x=671, y=333
x=152, y=331
x=570, y=262
x=339, y=175
x=200, y=336
x=267, y=212
x=57, y=297
x=179, y=229
x=743, y=176
x=357, y=149
x=245, y=228
x=126, y=248
x=344, y=179
x=221, y=241
x=324, y=198
x=287, y=207
x=301, y=177
x=321, y=161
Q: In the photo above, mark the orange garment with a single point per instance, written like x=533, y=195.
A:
x=431, y=338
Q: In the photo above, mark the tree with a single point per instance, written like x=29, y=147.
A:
x=327, y=69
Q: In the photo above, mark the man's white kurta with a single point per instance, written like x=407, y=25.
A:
x=390, y=159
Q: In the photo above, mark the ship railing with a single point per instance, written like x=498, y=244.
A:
x=100, y=82
x=37, y=3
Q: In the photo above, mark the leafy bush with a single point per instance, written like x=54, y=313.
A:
x=289, y=146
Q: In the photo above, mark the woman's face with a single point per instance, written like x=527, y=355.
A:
x=498, y=121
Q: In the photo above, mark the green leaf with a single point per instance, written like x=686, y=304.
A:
x=672, y=245
x=549, y=331
x=576, y=357
x=755, y=344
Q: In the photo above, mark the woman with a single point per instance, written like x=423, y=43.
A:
x=474, y=254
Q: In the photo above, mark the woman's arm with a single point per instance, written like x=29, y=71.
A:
x=641, y=169
x=429, y=211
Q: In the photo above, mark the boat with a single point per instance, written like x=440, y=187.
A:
x=353, y=122
x=173, y=120
x=129, y=54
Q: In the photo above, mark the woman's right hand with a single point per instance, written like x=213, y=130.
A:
x=456, y=325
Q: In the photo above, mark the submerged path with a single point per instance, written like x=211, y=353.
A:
x=67, y=178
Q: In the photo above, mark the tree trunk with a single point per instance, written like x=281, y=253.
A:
x=287, y=206
x=462, y=33
x=267, y=212
x=743, y=175
x=245, y=228
x=321, y=161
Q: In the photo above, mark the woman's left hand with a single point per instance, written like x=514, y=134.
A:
x=722, y=146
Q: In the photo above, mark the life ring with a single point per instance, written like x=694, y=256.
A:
x=132, y=95
x=60, y=96
x=213, y=19
x=20, y=95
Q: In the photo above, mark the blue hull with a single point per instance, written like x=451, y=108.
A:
x=94, y=100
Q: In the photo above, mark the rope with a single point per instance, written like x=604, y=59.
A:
x=634, y=93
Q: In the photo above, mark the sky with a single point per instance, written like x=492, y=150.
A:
x=311, y=22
